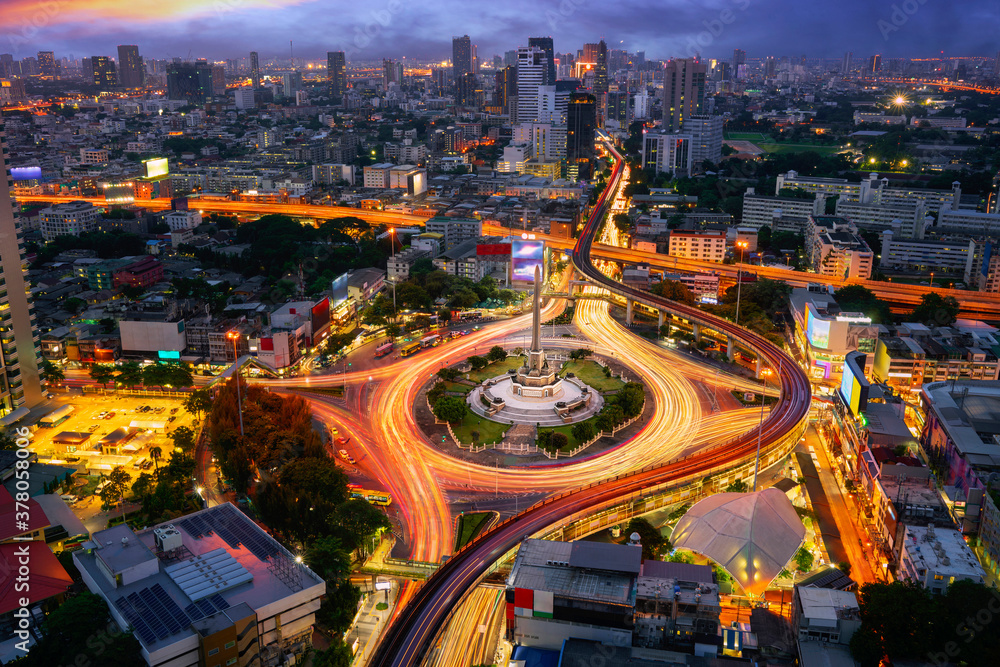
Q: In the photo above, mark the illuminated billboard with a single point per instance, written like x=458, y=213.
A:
x=119, y=193
x=817, y=329
x=339, y=290
x=320, y=316
x=155, y=168
x=853, y=384
x=26, y=173
x=525, y=256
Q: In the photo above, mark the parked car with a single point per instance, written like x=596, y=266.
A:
x=69, y=497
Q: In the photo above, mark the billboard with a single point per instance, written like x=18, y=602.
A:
x=339, y=290
x=155, y=168
x=320, y=316
x=817, y=329
x=493, y=249
x=26, y=173
x=525, y=256
x=119, y=193
x=853, y=384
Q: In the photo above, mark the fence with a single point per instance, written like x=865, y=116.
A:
x=125, y=391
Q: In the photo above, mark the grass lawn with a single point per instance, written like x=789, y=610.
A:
x=470, y=525
x=593, y=374
x=744, y=136
x=458, y=387
x=757, y=396
x=496, y=368
x=798, y=148
x=568, y=432
x=489, y=430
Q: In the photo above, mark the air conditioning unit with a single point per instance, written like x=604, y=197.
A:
x=167, y=538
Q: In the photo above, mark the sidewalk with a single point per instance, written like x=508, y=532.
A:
x=369, y=623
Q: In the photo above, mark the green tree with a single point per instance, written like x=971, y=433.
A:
x=478, y=363
x=496, y=353
x=936, y=310
x=450, y=409
x=50, y=373
x=448, y=374
x=558, y=440
x=183, y=437
x=361, y=521
x=144, y=485
x=118, y=483
x=737, y=486
x=198, y=401
x=673, y=290
x=630, y=399
x=858, y=299
x=622, y=222
x=129, y=374
x=898, y=620
x=444, y=315
x=156, y=453
x=328, y=558
x=803, y=559
x=583, y=431
x=338, y=654
x=652, y=540
x=102, y=373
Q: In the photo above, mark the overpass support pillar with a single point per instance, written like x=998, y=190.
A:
x=760, y=365
x=696, y=329
x=628, y=311
x=730, y=348
x=660, y=319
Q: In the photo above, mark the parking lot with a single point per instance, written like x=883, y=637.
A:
x=98, y=416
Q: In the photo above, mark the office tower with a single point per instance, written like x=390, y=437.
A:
x=6, y=65
x=254, y=70
x=189, y=81
x=531, y=72
x=581, y=122
x=218, y=80
x=601, y=69
x=21, y=388
x=845, y=66
x=739, y=58
x=389, y=72
x=439, y=77
x=618, y=107
x=497, y=62
x=130, y=70
x=461, y=56
x=874, y=64
x=589, y=54
x=475, y=59
x=465, y=90
x=47, y=64
x=639, y=60
x=510, y=58
x=504, y=87
x=683, y=91
x=103, y=69
x=545, y=44
x=770, y=67
x=292, y=83
x=336, y=74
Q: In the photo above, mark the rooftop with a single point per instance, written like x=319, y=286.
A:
x=941, y=550
x=827, y=603
x=583, y=570
x=965, y=409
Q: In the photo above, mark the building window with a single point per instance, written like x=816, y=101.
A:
x=213, y=651
x=231, y=661
x=230, y=644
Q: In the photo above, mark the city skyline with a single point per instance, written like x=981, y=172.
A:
x=94, y=27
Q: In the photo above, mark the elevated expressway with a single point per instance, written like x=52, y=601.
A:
x=408, y=639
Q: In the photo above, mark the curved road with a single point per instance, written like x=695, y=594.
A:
x=406, y=641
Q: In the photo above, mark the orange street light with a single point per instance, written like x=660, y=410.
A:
x=235, y=336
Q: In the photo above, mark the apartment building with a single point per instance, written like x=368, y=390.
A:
x=914, y=354
x=936, y=557
x=781, y=214
x=835, y=249
x=704, y=245
x=72, y=218
x=378, y=175
x=455, y=230
x=907, y=254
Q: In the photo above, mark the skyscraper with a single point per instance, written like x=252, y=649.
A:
x=254, y=70
x=189, y=81
x=683, y=91
x=739, y=58
x=388, y=72
x=336, y=73
x=47, y=64
x=461, y=56
x=874, y=64
x=103, y=69
x=581, y=121
x=131, y=73
x=505, y=87
x=21, y=387
x=531, y=73
x=770, y=67
x=545, y=44
x=218, y=80
x=601, y=69
x=845, y=66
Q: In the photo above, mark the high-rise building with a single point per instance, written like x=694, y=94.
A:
x=461, y=56
x=6, y=65
x=218, y=80
x=21, y=387
x=739, y=58
x=545, y=44
x=601, y=69
x=531, y=73
x=47, y=64
x=336, y=74
x=505, y=87
x=770, y=67
x=845, y=65
x=874, y=64
x=996, y=66
x=254, y=70
x=581, y=121
x=389, y=72
x=465, y=90
x=103, y=70
x=683, y=91
x=131, y=73
x=589, y=54
x=189, y=81
x=618, y=107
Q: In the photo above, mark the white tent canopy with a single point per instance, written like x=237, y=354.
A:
x=751, y=535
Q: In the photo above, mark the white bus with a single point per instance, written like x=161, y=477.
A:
x=427, y=341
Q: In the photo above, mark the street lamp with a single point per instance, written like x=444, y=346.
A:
x=764, y=373
x=392, y=240
x=235, y=336
x=742, y=245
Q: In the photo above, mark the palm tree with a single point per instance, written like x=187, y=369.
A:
x=156, y=453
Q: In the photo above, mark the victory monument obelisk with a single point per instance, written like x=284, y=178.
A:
x=535, y=378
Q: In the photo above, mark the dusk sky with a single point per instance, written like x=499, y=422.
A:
x=218, y=29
